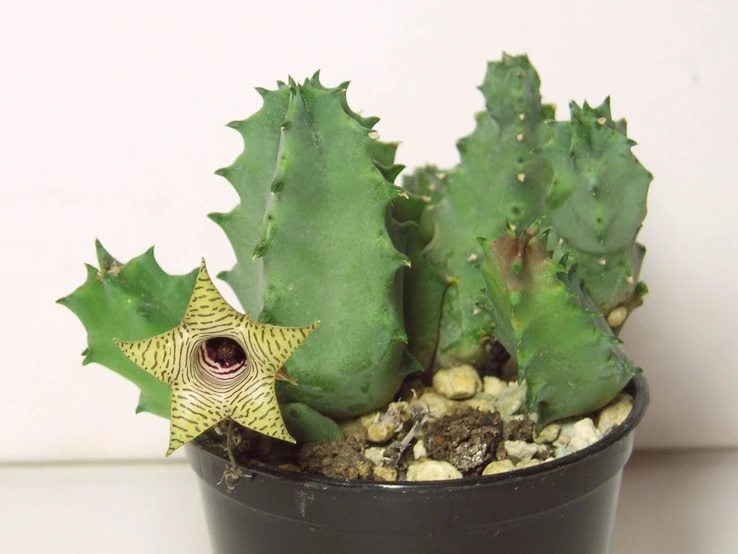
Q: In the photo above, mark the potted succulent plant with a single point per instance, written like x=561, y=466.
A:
x=426, y=368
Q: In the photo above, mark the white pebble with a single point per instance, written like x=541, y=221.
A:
x=432, y=471
x=585, y=433
x=436, y=404
x=512, y=399
x=386, y=473
x=563, y=439
x=614, y=414
x=561, y=450
x=374, y=454
x=380, y=432
x=527, y=463
x=419, y=451
x=498, y=467
x=480, y=404
x=457, y=383
x=561, y=444
x=494, y=386
x=520, y=451
x=548, y=434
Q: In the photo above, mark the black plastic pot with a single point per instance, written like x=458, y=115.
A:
x=562, y=507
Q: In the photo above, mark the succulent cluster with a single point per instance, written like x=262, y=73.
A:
x=578, y=188
x=529, y=240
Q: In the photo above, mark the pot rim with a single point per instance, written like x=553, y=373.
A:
x=637, y=387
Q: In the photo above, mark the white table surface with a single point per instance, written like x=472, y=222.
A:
x=671, y=503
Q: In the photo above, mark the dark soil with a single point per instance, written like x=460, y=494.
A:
x=466, y=438
x=518, y=430
x=341, y=459
x=500, y=451
x=496, y=358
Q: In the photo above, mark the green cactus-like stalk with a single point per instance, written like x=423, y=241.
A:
x=251, y=175
x=597, y=203
x=328, y=255
x=579, y=179
x=130, y=301
x=497, y=181
x=425, y=284
x=565, y=350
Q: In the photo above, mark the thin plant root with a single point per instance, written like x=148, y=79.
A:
x=232, y=473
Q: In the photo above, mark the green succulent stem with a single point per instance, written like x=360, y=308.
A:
x=130, y=301
x=328, y=254
x=578, y=178
x=596, y=204
x=252, y=175
x=497, y=182
x=566, y=352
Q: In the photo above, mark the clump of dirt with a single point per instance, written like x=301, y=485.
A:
x=466, y=438
x=500, y=451
x=518, y=430
x=341, y=459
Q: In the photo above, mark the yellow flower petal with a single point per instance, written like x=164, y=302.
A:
x=221, y=364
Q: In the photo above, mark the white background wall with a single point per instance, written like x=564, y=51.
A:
x=112, y=121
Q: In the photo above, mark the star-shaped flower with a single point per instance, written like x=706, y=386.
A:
x=220, y=364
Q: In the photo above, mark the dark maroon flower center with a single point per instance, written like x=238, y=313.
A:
x=225, y=352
